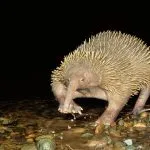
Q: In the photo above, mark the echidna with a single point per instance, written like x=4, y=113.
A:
x=112, y=66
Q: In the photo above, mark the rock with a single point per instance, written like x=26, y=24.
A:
x=45, y=142
x=78, y=130
x=29, y=147
x=87, y=135
x=140, y=126
x=144, y=115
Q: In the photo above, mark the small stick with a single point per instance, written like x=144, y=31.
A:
x=148, y=109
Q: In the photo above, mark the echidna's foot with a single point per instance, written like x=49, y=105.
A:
x=60, y=107
x=72, y=108
x=101, y=124
x=137, y=110
x=140, y=103
x=105, y=120
x=77, y=109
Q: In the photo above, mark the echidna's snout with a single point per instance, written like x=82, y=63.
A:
x=72, y=87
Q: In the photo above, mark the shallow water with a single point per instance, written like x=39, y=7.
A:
x=23, y=120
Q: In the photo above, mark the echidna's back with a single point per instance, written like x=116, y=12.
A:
x=118, y=60
x=120, y=45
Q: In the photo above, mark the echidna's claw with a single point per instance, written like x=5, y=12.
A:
x=79, y=112
x=72, y=108
x=73, y=111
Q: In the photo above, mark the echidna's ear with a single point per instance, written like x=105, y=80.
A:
x=82, y=78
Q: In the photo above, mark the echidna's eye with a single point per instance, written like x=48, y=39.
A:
x=82, y=79
x=66, y=83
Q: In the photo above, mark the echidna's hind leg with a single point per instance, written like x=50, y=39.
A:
x=115, y=105
x=143, y=96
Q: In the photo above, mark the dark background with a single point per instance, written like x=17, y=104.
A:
x=34, y=37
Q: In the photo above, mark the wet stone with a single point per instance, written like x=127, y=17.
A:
x=118, y=145
x=2, y=138
x=143, y=115
x=45, y=142
x=29, y=140
x=2, y=129
x=30, y=136
x=130, y=129
x=115, y=133
x=130, y=147
x=29, y=130
x=16, y=137
x=87, y=135
x=140, y=126
x=2, y=147
x=29, y=147
x=121, y=122
x=7, y=121
x=132, y=135
x=36, y=118
x=97, y=144
x=143, y=132
x=123, y=134
x=78, y=130
x=19, y=129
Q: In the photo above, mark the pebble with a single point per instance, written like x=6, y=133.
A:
x=87, y=135
x=6, y=121
x=120, y=122
x=78, y=130
x=128, y=141
x=29, y=147
x=130, y=147
x=140, y=126
x=2, y=147
x=97, y=144
x=30, y=136
x=114, y=133
x=118, y=145
x=45, y=142
x=143, y=115
x=30, y=140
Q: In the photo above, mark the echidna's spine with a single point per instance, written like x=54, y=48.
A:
x=119, y=58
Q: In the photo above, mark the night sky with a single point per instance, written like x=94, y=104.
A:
x=36, y=36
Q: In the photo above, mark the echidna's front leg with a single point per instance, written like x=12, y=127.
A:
x=60, y=91
x=92, y=92
x=143, y=96
x=115, y=105
x=73, y=107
